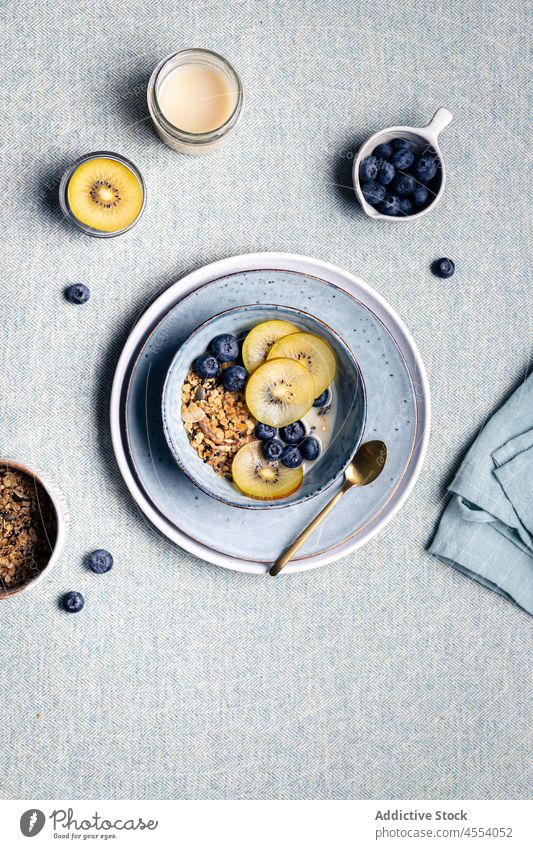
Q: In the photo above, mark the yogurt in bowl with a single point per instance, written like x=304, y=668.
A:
x=337, y=423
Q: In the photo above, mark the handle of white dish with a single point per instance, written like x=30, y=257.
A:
x=439, y=122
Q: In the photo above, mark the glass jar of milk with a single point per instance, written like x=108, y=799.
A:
x=195, y=99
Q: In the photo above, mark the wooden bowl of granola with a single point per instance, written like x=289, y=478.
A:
x=33, y=523
x=207, y=426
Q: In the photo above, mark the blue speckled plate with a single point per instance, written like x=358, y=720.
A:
x=244, y=540
x=347, y=417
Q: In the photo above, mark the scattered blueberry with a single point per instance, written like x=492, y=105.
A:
x=207, y=366
x=406, y=207
x=272, y=449
x=443, y=267
x=390, y=206
x=386, y=173
x=384, y=150
x=78, y=293
x=73, y=602
x=293, y=433
x=234, y=378
x=322, y=399
x=426, y=168
x=420, y=195
x=100, y=561
x=310, y=448
x=401, y=144
x=291, y=457
x=403, y=185
x=368, y=169
x=373, y=192
x=225, y=347
x=403, y=159
x=263, y=431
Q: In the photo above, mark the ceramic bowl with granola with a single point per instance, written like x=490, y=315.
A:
x=263, y=406
x=33, y=523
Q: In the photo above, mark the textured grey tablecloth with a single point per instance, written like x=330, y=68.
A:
x=387, y=674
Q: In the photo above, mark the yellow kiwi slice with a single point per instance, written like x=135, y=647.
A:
x=310, y=350
x=259, y=341
x=105, y=194
x=280, y=392
x=263, y=479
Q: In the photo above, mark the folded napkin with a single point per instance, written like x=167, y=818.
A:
x=486, y=530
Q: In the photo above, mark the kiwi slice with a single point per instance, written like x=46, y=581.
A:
x=105, y=194
x=259, y=341
x=280, y=392
x=261, y=479
x=310, y=350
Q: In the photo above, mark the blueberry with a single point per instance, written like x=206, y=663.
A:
x=100, y=561
x=443, y=267
x=207, y=366
x=263, y=431
x=420, y=195
x=426, y=168
x=293, y=433
x=406, y=207
x=368, y=169
x=322, y=399
x=401, y=144
x=77, y=294
x=386, y=173
x=384, y=150
x=403, y=185
x=225, y=347
x=291, y=457
x=403, y=159
x=73, y=602
x=234, y=378
x=272, y=449
x=310, y=448
x=390, y=206
x=373, y=192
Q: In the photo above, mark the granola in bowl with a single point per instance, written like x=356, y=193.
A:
x=28, y=528
x=217, y=422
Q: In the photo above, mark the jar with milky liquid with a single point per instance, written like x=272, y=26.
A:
x=196, y=100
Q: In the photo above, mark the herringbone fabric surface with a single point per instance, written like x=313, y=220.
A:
x=386, y=674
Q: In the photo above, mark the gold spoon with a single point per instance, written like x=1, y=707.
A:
x=365, y=467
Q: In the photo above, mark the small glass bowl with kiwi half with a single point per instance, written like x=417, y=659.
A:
x=103, y=194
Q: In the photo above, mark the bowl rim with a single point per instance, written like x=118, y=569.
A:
x=62, y=518
x=372, y=142
x=258, y=504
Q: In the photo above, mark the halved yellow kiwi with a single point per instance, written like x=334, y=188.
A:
x=105, y=194
x=261, y=479
x=259, y=341
x=313, y=352
x=280, y=392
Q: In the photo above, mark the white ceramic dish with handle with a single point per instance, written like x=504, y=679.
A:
x=423, y=139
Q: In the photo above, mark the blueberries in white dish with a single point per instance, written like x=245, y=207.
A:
x=390, y=205
x=408, y=173
x=323, y=400
x=373, y=192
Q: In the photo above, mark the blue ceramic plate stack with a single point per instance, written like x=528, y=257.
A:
x=397, y=411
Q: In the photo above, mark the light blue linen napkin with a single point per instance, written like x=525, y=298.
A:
x=486, y=530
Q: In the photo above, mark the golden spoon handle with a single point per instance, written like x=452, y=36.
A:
x=299, y=541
